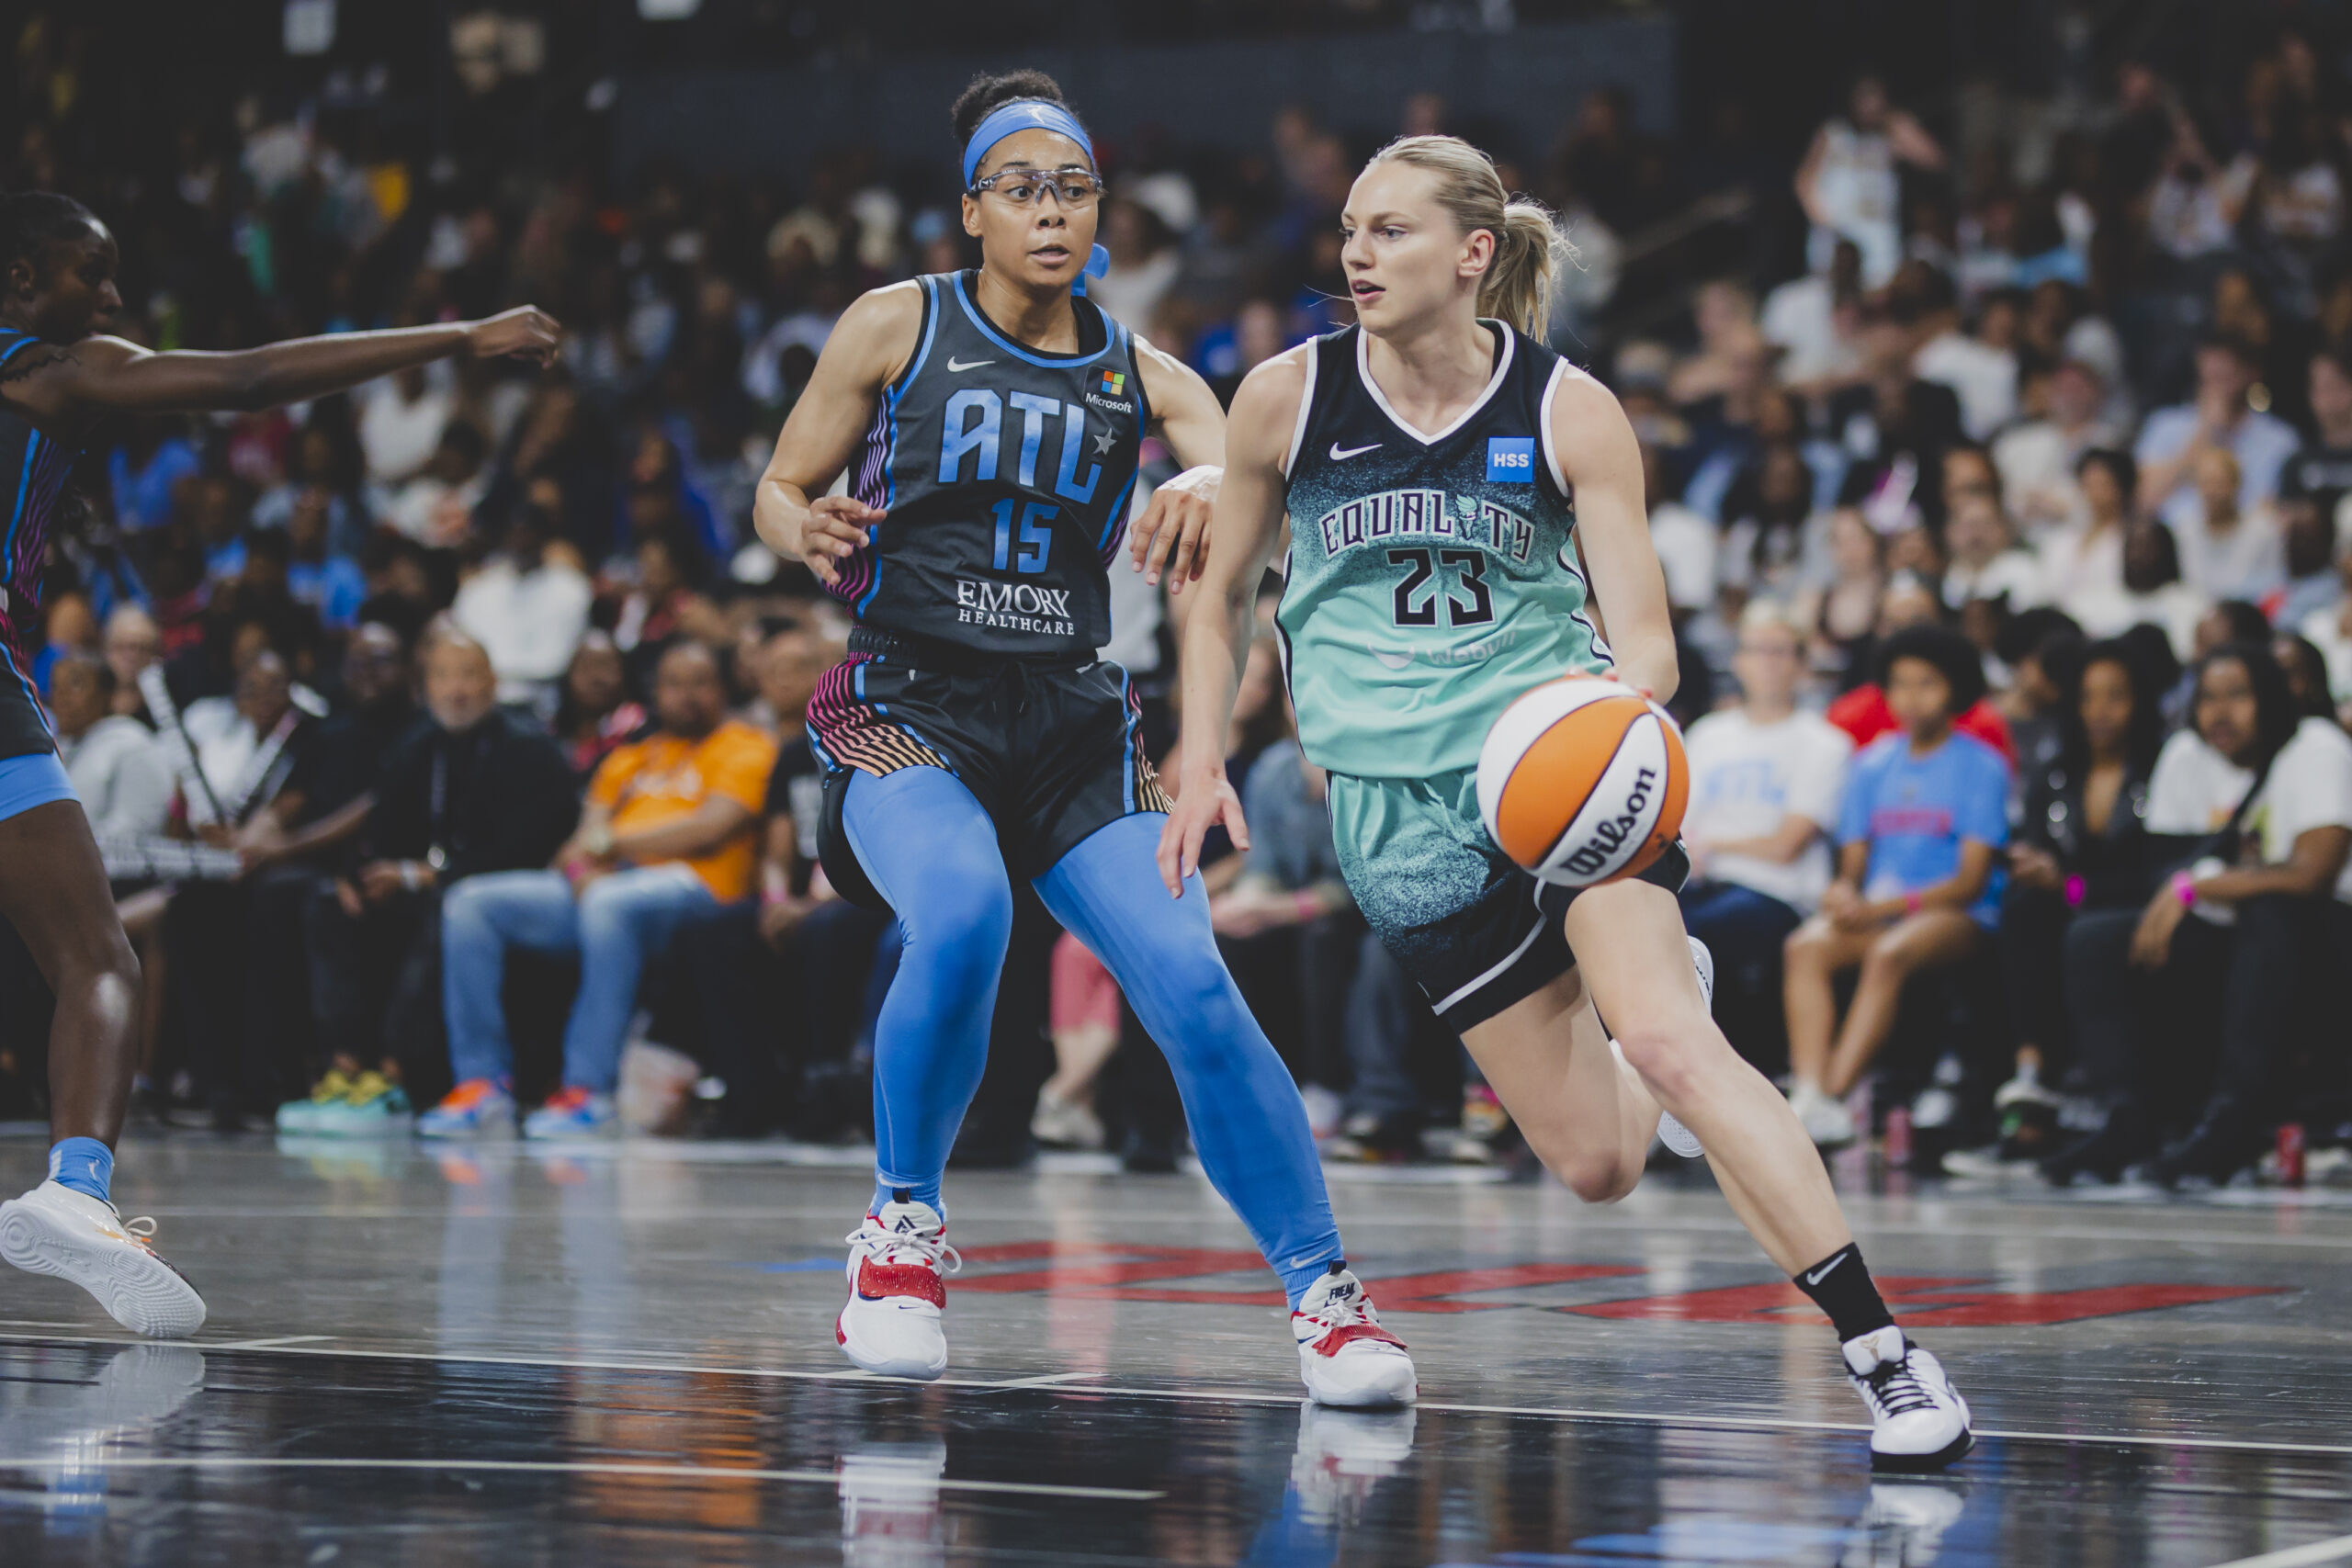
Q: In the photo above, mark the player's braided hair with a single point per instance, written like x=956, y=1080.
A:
x=1528, y=247
x=30, y=219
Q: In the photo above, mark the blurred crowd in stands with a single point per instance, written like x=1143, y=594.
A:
x=446, y=729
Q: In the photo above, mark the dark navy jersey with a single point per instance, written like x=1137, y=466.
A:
x=1007, y=473
x=33, y=469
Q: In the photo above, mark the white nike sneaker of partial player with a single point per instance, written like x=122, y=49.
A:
x=891, y=1326
x=1345, y=1357
x=55, y=1230
x=1918, y=1422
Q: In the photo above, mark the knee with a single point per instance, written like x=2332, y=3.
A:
x=1807, y=947
x=962, y=923
x=468, y=902
x=1595, y=1176
x=1888, y=957
x=1674, y=1061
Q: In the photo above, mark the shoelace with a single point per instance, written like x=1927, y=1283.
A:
x=931, y=1248
x=1898, y=1389
x=145, y=1238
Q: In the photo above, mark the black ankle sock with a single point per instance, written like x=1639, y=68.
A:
x=1841, y=1285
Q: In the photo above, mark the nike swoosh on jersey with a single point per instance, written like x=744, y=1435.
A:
x=967, y=364
x=1339, y=456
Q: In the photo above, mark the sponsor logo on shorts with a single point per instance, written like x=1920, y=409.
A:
x=1592, y=857
x=1014, y=607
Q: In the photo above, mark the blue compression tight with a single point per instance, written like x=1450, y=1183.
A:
x=932, y=851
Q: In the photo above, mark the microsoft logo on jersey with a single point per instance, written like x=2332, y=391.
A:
x=1510, y=459
x=1114, y=384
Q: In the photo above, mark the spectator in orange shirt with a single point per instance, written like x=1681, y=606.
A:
x=667, y=837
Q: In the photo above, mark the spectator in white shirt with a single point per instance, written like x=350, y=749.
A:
x=1685, y=542
x=2219, y=416
x=2038, y=458
x=1985, y=560
x=1765, y=780
x=2152, y=593
x=400, y=420
x=1816, y=322
x=1984, y=377
x=528, y=604
x=119, y=768
x=2229, y=550
x=2085, y=556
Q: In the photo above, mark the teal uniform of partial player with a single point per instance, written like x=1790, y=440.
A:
x=1430, y=581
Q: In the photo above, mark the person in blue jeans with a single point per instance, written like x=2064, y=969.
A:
x=1926, y=812
x=666, y=839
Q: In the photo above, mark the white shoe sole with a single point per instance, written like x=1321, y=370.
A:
x=1924, y=1464
x=1389, y=1389
x=137, y=1289
x=884, y=1366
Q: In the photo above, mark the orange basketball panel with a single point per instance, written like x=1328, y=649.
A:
x=1557, y=774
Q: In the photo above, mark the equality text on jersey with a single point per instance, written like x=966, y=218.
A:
x=1394, y=514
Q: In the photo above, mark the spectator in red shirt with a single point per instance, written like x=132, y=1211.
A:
x=1862, y=713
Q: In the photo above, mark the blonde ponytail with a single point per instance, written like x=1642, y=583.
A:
x=1528, y=247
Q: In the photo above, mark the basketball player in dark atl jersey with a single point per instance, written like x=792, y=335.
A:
x=990, y=423
x=1458, y=499
x=58, y=377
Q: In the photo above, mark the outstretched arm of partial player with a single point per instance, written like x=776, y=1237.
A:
x=1217, y=637
x=68, y=383
x=1174, y=530
x=870, y=345
x=1600, y=462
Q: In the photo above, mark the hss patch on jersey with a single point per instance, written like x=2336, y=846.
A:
x=1431, y=579
x=1006, y=474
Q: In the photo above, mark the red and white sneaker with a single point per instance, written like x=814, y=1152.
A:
x=1344, y=1354
x=891, y=1326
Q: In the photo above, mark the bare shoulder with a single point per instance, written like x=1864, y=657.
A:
x=1270, y=395
x=1588, y=424
x=878, y=332
x=43, y=381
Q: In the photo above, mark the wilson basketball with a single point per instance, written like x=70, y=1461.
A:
x=1582, y=781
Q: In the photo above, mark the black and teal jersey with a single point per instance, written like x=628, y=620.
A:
x=1007, y=474
x=1430, y=578
x=33, y=470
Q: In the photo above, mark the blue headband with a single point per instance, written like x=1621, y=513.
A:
x=1033, y=114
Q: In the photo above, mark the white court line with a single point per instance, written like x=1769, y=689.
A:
x=559, y=1467
x=1048, y=1380
x=1239, y=1396
x=276, y=1344
x=2318, y=1552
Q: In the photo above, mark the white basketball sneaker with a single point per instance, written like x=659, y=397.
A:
x=55, y=1230
x=891, y=1326
x=1344, y=1354
x=1918, y=1421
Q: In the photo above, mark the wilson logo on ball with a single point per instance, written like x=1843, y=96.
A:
x=1583, y=781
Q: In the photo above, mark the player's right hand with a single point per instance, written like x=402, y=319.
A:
x=1207, y=800
x=527, y=332
x=836, y=527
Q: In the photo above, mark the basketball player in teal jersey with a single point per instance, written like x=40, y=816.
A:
x=59, y=376
x=1458, y=498
x=989, y=422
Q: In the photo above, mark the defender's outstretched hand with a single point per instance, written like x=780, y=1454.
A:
x=1173, y=531
x=1207, y=800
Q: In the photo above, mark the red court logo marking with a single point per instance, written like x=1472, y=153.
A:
x=1103, y=1271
